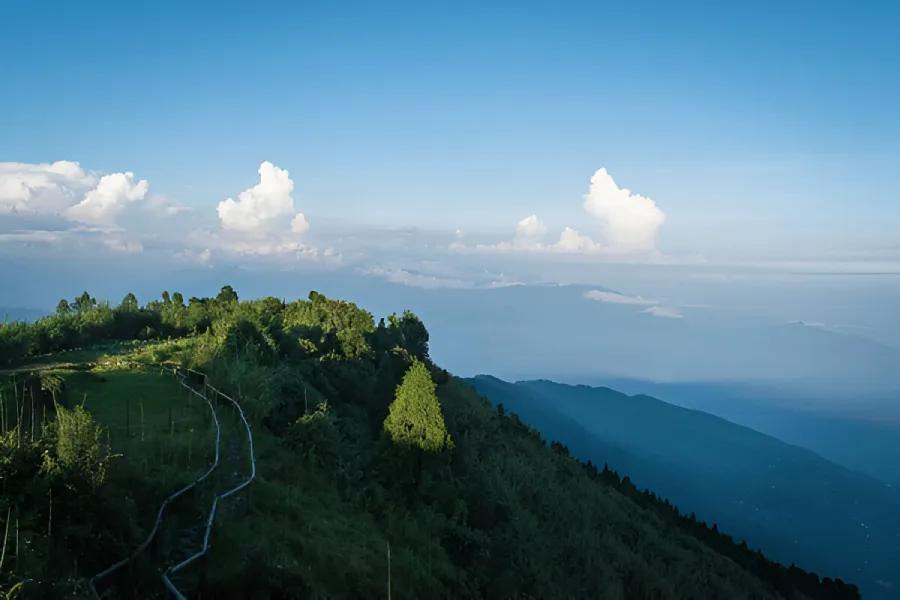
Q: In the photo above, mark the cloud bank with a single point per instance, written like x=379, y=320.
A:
x=61, y=205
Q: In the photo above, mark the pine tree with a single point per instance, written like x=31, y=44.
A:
x=415, y=420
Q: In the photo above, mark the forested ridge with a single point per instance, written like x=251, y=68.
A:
x=380, y=474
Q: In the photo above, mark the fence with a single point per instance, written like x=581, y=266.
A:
x=166, y=576
x=177, y=372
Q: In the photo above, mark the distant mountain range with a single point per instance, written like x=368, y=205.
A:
x=857, y=430
x=786, y=500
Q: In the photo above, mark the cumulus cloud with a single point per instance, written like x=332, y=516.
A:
x=263, y=206
x=664, y=312
x=629, y=224
x=62, y=192
x=572, y=241
x=299, y=224
x=616, y=298
x=46, y=188
x=630, y=221
x=530, y=229
x=262, y=222
x=102, y=204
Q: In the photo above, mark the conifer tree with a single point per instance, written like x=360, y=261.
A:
x=415, y=420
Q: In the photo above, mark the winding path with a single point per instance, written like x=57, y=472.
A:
x=191, y=543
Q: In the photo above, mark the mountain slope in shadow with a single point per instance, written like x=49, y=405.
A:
x=787, y=501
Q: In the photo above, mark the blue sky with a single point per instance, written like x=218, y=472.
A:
x=405, y=113
x=450, y=145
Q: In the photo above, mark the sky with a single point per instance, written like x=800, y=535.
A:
x=741, y=155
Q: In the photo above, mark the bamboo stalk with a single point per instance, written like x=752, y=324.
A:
x=20, y=417
x=16, y=397
x=5, y=537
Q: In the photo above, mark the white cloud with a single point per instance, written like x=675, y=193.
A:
x=275, y=244
x=417, y=280
x=529, y=230
x=64, y=191
x=299, y=224
x=102, y=204
x=39, y=236
x=422, y=280
x=630, y=222
x=664, y=312
x=615, y=298
x=202, y=257
x=572, y=241
x=46, y=188
x=261, y=207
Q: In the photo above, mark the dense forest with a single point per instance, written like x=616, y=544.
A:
x=380, y=474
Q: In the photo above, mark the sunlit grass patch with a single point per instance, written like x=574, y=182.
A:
x=162, y=434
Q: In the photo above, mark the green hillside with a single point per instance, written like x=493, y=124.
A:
x=379, y=475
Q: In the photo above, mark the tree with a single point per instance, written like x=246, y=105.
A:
x=63, y=307
x=178, y=299
x=415, y=420
x=165, y=297
x=129, y=303
x=410, y=333
x=84, y=302
x=227, y=295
